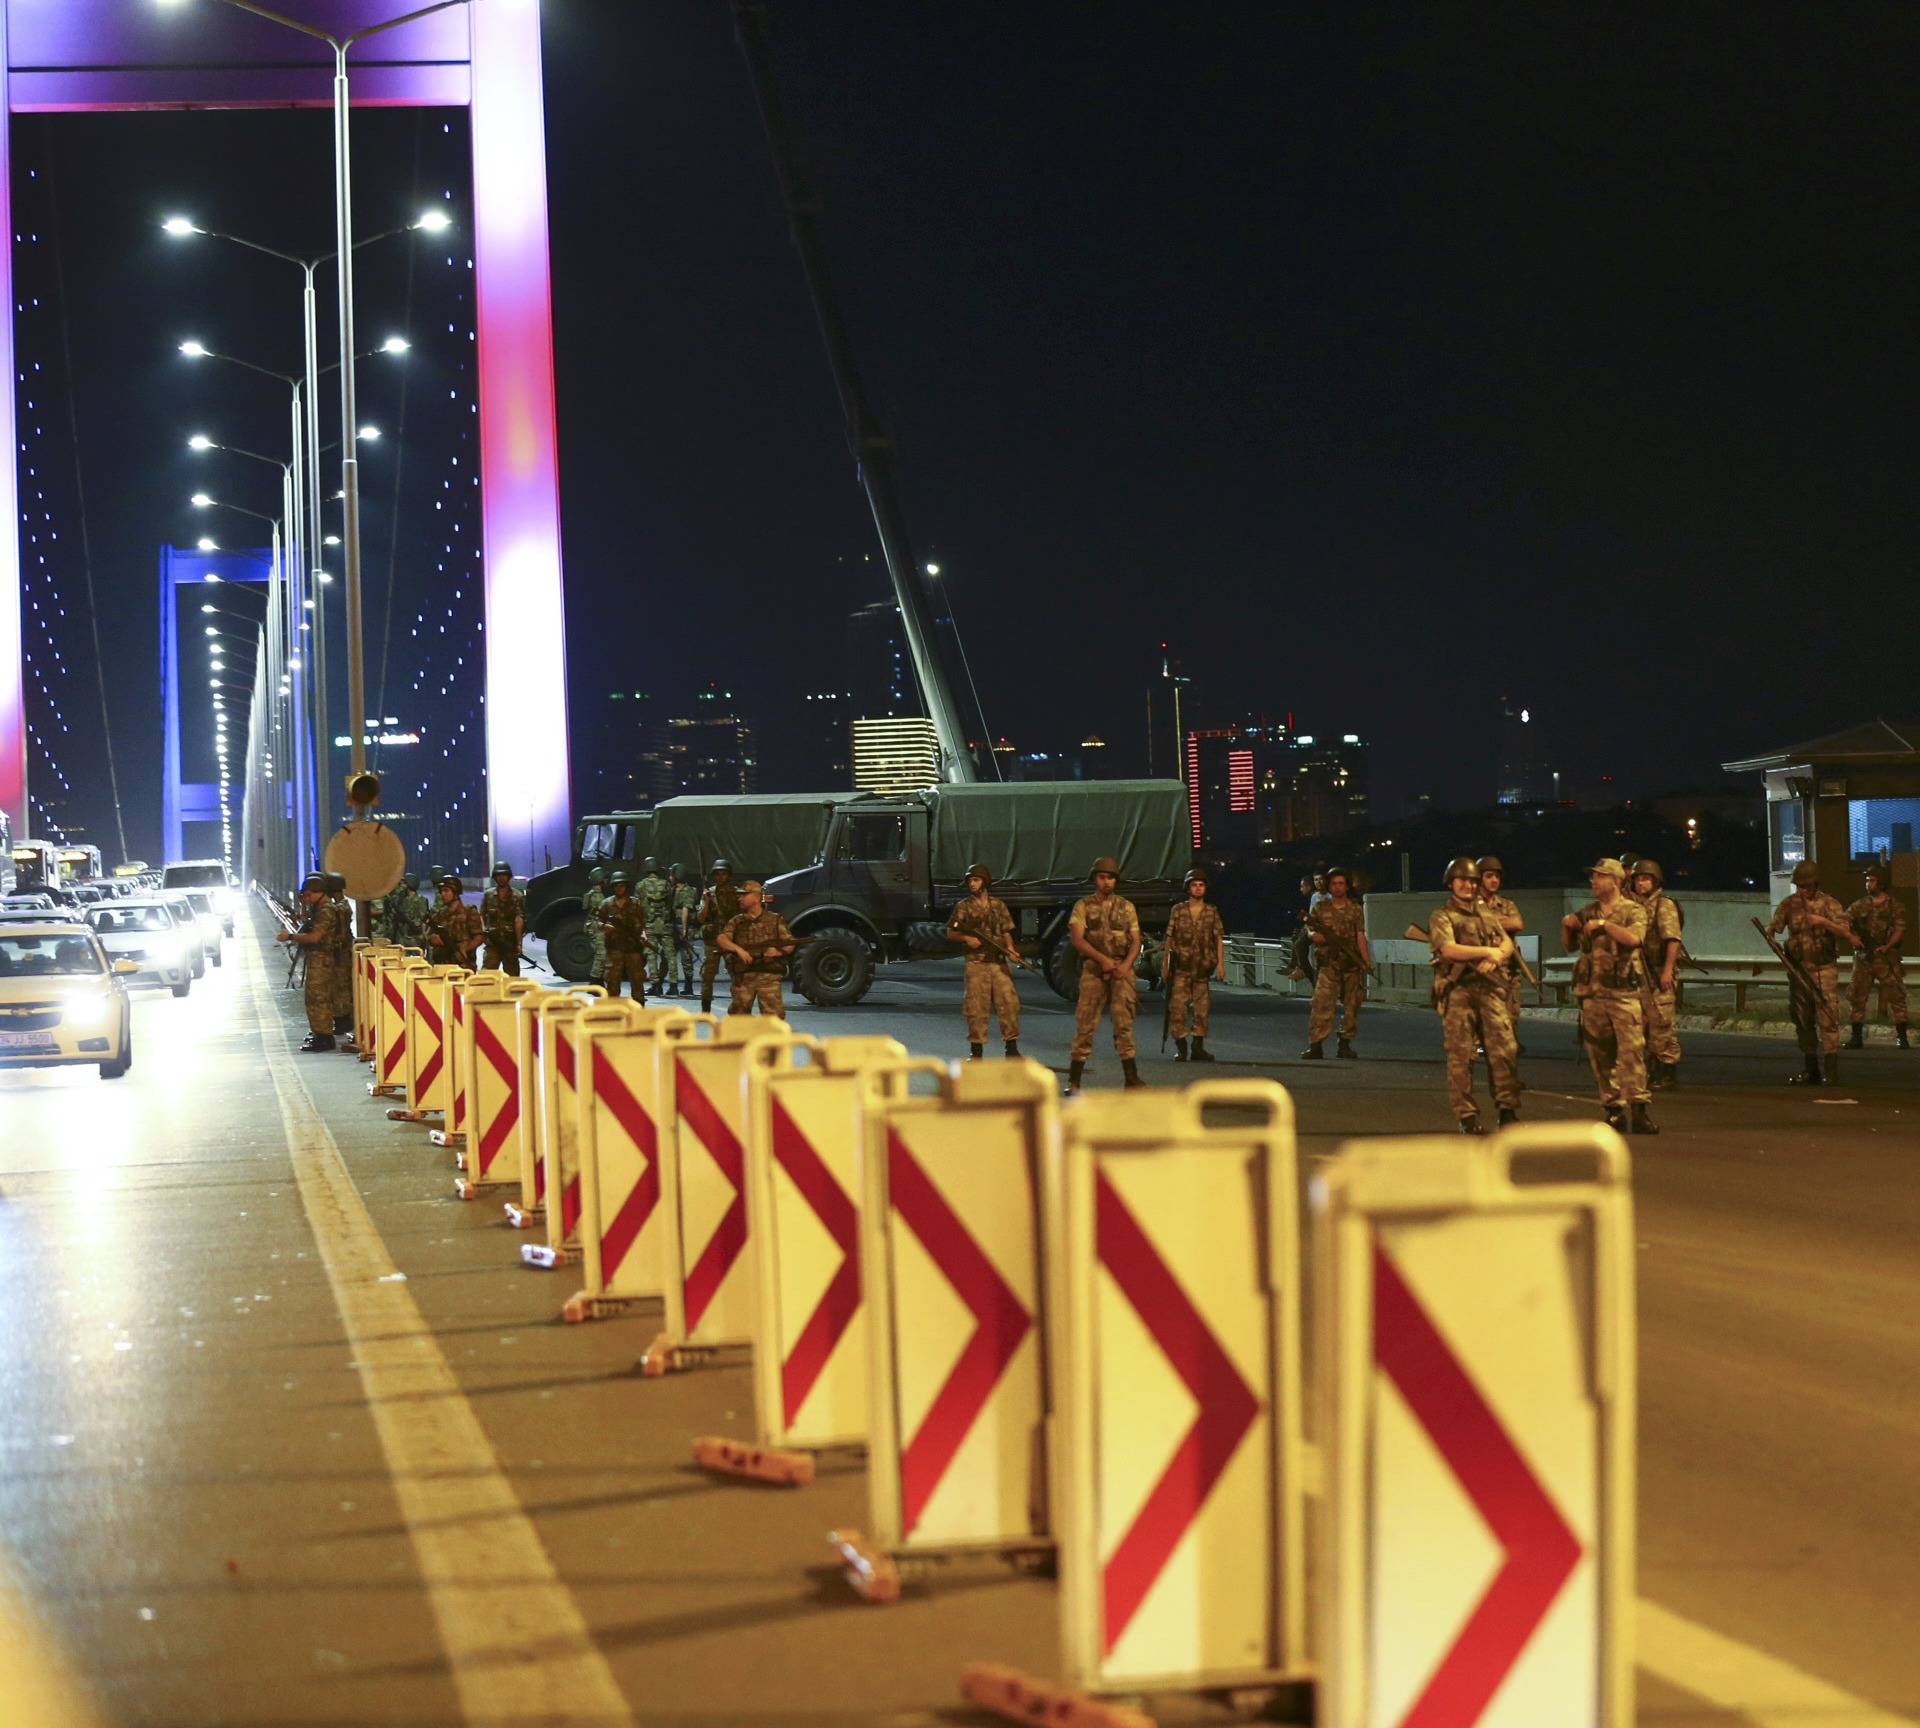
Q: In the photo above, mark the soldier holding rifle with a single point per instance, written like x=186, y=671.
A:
x=1606, y=933
x=1195, y=954
x=623, y=922
x=1470, y=953
x=1493, y=875
x=757, y=943
x=984, y=927
x=1881, y=925
x=1337, y=928
x=1815, y=924
x=319, y=936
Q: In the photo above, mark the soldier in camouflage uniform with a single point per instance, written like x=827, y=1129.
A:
x=1881, y=925
x=342, y=975
x=1105, y=931
x=1607, y=933
x=452, y=930
x=984, y=927
x=1815, y=924
x=503, y=922
x=1493, y=875
x=623, y=926
x=1659, y=958
x=1470, y=953
x=320, y=937
x=1337, y=928
x=756, y=943
x=686, y=906
x=404, y=913
x=1194, y=955
x=590, y=903
x=718, y=907
x=655, y=894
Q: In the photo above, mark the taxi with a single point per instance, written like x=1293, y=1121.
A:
x=63, y=1000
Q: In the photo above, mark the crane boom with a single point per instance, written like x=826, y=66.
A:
x=872, y=449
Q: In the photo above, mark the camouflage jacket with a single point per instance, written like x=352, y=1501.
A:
x=1603, y=963
x=1194, y=935
x=1343, y=923
x=324, y=924
x=1476, y=926
x=624, y=923
x=718, y=906
x=656, y=894
x=500, y=910
x=988, y=919
x=686, y=902
x=1663, y=927
x=756, y=935
x=450, y=933
x=1877, y=926
x=1108, y=927
x=1808, y=944
x=342, y=930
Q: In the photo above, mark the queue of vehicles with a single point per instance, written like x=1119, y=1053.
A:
x=70, y=951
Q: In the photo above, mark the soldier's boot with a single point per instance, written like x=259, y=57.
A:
x=1179, y=1049
x=1616, y=1119
x=1900, y=1035
x=1507, y=1116
x=342, y=1023
x=1345, y=1048
x=1013, y=1048
x=1075, y=1070
x=317, y=1041
x=1471, y=1125
x=1858, y=1041
x=1200, y=1052
x=1643, y=1122
x=1810, y=1075
x=706, y=1002
x=975, y=1052
x=1313, y=1053
x=1132, y=1073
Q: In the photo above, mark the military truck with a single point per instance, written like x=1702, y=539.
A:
x=885, y=881
x=759, y=835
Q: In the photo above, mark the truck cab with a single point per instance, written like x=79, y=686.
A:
x=555, y=912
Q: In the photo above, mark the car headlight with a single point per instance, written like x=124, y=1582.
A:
x=87, y=1011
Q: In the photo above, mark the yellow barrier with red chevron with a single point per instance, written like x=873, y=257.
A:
x=493, y=1151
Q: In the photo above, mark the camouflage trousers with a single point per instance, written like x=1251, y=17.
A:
x=710, y=959
x=1513, y=999
x=990, y=991
x=343, y=987
x=1615, y=1036
x=1817, y=1022
x=321, y=993
x=683, y=955
x=1337, y=991
x=502, y=953
x=661, y=967
x=621, y=964
x=1884, y=970
x=1121, y=999
x=760, y=990
x=1472, y=1017
x=1656, y=1020
x=1189, y=997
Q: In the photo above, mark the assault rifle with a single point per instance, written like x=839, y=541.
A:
x=1804, y=1001
x=1414, y=933
x=291, y=922
x=1345, y=945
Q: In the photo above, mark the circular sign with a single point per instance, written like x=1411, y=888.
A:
x=370, y=856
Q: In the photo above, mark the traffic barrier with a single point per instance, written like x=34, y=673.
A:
x=490, y=1043
x=549, y=1100
x=392, y=979
x=1177, y=1397
x=363, y=998
x=803, y=1222
x=1474, y=1361
x=624, y=1067
x=952, y=1258
x=709, y=1285
x=430, y=1050
x=452, y=1132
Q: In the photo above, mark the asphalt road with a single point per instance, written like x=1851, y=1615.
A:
x=234, y=1495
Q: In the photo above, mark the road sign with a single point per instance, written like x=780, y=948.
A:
x=1177, y=1390
x=1474, y=1345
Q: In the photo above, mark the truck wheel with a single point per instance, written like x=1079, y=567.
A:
x=1063, y=969
x=835, y=969
x=570, y=948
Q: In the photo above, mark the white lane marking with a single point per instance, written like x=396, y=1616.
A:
x=36, y=1681
x=514, y=1637
x=1766, y=1691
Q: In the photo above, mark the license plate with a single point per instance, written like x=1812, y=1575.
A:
x=26, y=1040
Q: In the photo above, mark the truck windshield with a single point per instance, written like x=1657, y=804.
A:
x=874, y=838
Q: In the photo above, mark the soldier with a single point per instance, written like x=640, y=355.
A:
x=342, y=976
x=1881, y=925
x=405, y=913
x=1659, y=957
x=452, y=929
x=1813, y=921
x=590, y=903
x=718, y=906
x=1337, y=929
x=756, y=943
x=655, y=894
x=1105, y=930
x=1195, y=954
x=686, y=904
x=984, y=927
x=1470, y=953
x=503, y=922
x=1493, y=875
x=1606, y=933
x=623, y=927
x=319, y=935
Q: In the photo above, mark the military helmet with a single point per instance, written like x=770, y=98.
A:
x=336, y=883
x=1490, y=863
x=502, y=868
x=454, y=883
x=1461, y=866
x=720, y=864
x=676, y=873
x=1196, y=874
x=316, y=883
x=1806, y=872
x=1875, y=873
x=619, y=879
x=409, y=880
x=1104, y=867
x=435, y=872
x=649, y=866
x=1608, y=867
x=1647, y=867
x=597, y=874
x=982, y=872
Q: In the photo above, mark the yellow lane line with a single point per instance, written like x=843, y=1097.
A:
x=1768, y=1692
x=514, y=1637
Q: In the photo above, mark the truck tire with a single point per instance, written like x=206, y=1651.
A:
x=835, y=969
x=570, y=948
x=1063, y=969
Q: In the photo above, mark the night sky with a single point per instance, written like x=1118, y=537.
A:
x=1383, y=360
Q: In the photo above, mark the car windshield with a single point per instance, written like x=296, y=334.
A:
x=194, y=876
x=123, y=919
x=49, y=957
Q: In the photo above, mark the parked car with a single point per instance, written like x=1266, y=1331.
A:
x=149, y=935
x=63, y=1000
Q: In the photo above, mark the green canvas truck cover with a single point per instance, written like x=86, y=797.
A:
x=1051, y=831
x=761, y=834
